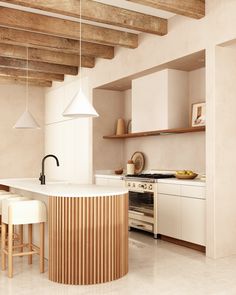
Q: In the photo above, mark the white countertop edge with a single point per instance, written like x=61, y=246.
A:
x=190, y=182
x=110, y=176
x=63, y=189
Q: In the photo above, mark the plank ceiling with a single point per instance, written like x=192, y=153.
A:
x=51, y=30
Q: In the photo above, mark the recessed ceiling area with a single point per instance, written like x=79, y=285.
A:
x=186, y=63
x=51, y=30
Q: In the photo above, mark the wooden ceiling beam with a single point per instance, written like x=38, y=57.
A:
x=17, y=80
x=190, y=8
x=15, y=18
x=48, y=56
x=32, y=74
x=36, y=40
x=38, y=66
x=102, y=13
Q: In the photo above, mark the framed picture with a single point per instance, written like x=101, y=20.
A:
x=198, y=114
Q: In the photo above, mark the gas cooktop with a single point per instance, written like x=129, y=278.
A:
x=148, y=177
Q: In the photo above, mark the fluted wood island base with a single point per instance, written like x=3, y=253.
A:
x=88, y=239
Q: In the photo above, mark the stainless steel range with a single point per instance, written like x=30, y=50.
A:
x=143, y=201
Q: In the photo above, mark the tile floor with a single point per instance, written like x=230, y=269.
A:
x=156, y=267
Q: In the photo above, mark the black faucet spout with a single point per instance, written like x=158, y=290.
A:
x=42, y=177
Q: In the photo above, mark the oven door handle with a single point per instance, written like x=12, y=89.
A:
x=141, y=192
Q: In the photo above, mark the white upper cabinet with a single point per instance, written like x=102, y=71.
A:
x=160, y=101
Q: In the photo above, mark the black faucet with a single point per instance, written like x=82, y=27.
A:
x=42, y=177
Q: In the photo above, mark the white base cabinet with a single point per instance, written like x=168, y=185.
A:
x=193, y=220
x=169, y=215
x=181, y=212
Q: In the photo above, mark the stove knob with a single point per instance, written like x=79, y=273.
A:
x=133, y=184
x=150, y=186
x=145, y=186
x=129, y=184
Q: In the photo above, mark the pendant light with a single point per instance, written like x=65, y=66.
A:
x=26, y=120
x=80, y=107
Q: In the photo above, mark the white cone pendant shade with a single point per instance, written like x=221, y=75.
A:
x=80, y=107
x=26, y=121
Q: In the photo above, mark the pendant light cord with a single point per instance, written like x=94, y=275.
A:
x=80, y=44
x=27, y=81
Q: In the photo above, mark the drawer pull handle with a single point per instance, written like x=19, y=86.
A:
x=139, y=225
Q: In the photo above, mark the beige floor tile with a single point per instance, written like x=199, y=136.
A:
x=156, y=267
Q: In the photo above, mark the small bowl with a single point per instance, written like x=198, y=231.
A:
x=119, y=171
x=186, y=176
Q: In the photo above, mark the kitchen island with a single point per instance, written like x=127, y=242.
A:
x=87, y=230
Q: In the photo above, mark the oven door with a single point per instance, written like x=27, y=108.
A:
x=141, y=203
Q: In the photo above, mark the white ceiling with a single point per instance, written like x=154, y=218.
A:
x=119, y=3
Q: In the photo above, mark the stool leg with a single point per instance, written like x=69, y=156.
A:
x=10, y=250
x=3, y=246
x=41, y=253
x=30, y=242
x=21, y=238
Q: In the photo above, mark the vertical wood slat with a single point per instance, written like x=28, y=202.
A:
x=88, y=239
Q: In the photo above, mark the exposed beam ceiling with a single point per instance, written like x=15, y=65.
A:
x=17, y=80
x=36, y=40
x=190, y=8
x=15, y=18
x=48, y=56
x=32, y=74
x=186, y=63
x=101, y=13
x=51, y=30
x=38, y=66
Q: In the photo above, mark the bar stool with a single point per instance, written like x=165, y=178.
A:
x=21, y=212
x=4, y=192
x=5, y=195
x=16, y=236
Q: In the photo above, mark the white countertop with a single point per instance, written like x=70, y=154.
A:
x=62, y=189
x=194, y=182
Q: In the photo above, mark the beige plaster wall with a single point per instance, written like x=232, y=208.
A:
x=173, y=152
x=225, y=160
x=21, y=151
x=107, y=154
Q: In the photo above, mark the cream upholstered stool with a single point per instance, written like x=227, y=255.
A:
x=15, y=236
x=5, y=195
x=4, y=192
x=17, y=212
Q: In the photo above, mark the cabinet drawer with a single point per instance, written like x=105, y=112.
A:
x=169, y=189
x=141, y=225
x=101, y=181
x=116, y=182
x=141, y=217
x=193, y=191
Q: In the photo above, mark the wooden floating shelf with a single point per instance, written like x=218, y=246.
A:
x=157, y=132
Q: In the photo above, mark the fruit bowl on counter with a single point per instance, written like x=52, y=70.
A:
x=185, y=174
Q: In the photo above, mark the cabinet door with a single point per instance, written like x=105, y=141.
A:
x=169, y=215
x=193, y=220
